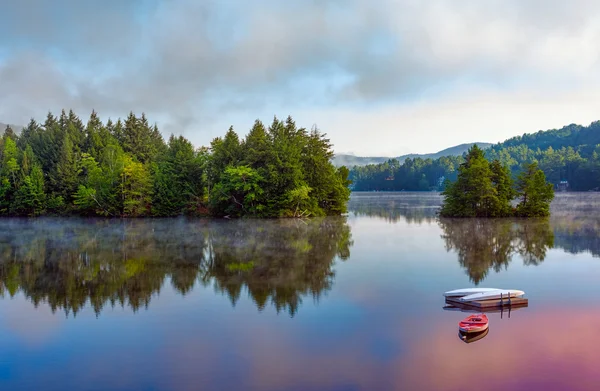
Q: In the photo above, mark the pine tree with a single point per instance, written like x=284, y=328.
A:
x=534, y=192
x=9, y=173
x=9, y=133
x=136, y=188
x=176, y=179
x=481, y=189
x=28, y=160
x=319, y=174
x=256, y=148
x=66, y=170
x=94, y=142
x=285, y=173
x=76, y=131
x=30, y=197
x=224, y=152
x=504, y=189
x=139, y=139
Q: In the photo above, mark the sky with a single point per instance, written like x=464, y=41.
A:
x=379, y=77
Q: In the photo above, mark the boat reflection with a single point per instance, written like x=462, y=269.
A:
x=472, y=337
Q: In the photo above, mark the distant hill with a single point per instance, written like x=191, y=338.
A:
x=16, y=128
x=583, y=139
x=569, y=157
x=351, y=160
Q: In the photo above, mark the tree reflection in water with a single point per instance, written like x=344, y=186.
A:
x=70, y=263
x=484, y=244
x=73, y=262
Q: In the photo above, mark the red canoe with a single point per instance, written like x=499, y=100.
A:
x=473, y=323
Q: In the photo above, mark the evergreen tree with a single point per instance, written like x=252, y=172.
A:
x=534, y=192
x=139, y=139
x=30, y=197
x=473, y=194
x=28, y=160
x=9, y=133
x=65, y=177
x=136, y=188
x=256, y=147
x=328, y=184
x=224, y=152
x=9, y=172
x=76, y=131
x=177, y=179
x=94, y=139
x=505, y=192
x=112, y=163
x=285, y=176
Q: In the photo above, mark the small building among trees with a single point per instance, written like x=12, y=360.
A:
x=563, y=186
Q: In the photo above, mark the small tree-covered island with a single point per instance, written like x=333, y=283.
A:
x=484, y=189
x=125, y=168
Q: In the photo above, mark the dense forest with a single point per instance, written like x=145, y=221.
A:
x=570, y=155
x=125, y=168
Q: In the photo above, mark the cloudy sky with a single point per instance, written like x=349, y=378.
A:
x=379, y=77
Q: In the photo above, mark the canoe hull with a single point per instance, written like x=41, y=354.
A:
x=468, y=291
x=473, y=324
x=493, y=295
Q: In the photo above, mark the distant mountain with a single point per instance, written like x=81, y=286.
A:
x=351, y=160
x=16, y=128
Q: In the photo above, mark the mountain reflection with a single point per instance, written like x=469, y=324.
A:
x=70, y=263
x=484, y=244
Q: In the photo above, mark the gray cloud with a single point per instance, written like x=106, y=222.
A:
x=188, y=61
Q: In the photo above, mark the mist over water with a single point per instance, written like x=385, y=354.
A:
x=346, y=303
x=69, y=263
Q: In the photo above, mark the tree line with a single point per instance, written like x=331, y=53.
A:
x=570, y=154
x=125, y=168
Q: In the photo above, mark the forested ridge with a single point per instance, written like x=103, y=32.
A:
x=570, y=154
x=125, y=168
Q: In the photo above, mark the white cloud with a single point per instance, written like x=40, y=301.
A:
x=420, y=75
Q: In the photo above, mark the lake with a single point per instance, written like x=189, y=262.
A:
x=348, y=303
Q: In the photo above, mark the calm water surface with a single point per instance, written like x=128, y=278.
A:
x=352, y=303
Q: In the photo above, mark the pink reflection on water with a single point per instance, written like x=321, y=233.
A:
x=553, y=349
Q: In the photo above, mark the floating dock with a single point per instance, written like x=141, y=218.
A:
x=493, y=304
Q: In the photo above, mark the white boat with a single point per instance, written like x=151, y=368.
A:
x=468, y=291
x=496, y=294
